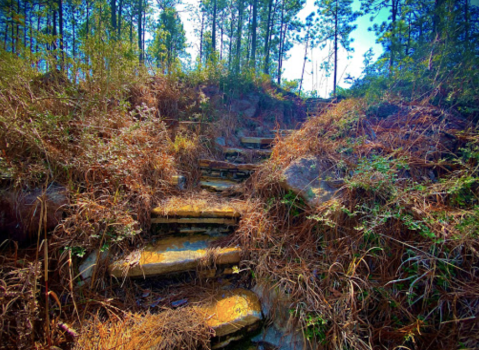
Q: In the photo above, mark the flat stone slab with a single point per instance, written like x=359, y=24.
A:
x=173, y=254
x=221, y=165
x=221, y=221
x=197, y=211
x=232, y=311
x=217, y=186
x=257, y=140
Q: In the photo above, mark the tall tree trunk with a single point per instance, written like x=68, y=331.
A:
x=25, y=25
x=13, y=34
x=144, y=32
x=140, y=29
x=221, y=41
x=120, y=9
x=304, y=63
x=266, y=41
x=238, y=36
x=17, y=39
x=280, y=43
x=466, y=24
x=131, y=28
x=201, y=35
x=335, y=49
x=31, y=29
x=5, y=36
x=39, y=23
x=280, y=64
x=60, y=26
x=213, y=32
x=87, y=18
x=248, y=47
x=230, y=52
x=54, y=27
x=113, y=16
x=394, y=9
x=253, y=35
x=74, y=46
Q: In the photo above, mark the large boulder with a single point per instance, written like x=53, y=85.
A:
x=280, y=333
x=247, y=106
x=20, y=211
x=312, y=180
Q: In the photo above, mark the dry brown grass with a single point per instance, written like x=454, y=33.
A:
x=392, y=262
x=169, y=330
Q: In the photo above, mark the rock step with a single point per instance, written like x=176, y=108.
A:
x=232, y=151
x=217, y=185
x=245, y=155
x=192, y=221
x=256, y=142
x=226, y=166
x=196, y=211
x=174, y=254
x=231, y=314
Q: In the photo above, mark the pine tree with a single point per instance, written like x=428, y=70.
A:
x=336, y=25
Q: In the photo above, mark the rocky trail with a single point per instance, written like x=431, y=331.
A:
x=191, y=242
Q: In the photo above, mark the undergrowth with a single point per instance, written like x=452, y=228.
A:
x=391, y=261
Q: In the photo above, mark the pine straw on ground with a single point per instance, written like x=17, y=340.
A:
x=391, y=262
x=172, y=329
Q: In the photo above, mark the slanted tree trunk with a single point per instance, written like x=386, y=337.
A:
x=304, y=63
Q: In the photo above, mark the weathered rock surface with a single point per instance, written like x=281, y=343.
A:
x=279, y=333
x=310, y=179
x=247, y=106
x=232, y=311
x=88, y=266
x=221, y=165
x=20, y=211
x=173, y=254
x=217, y=185
x=244, y=155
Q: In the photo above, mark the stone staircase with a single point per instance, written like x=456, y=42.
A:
x=188, y=240
x=192, y=238
x=237, y=166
